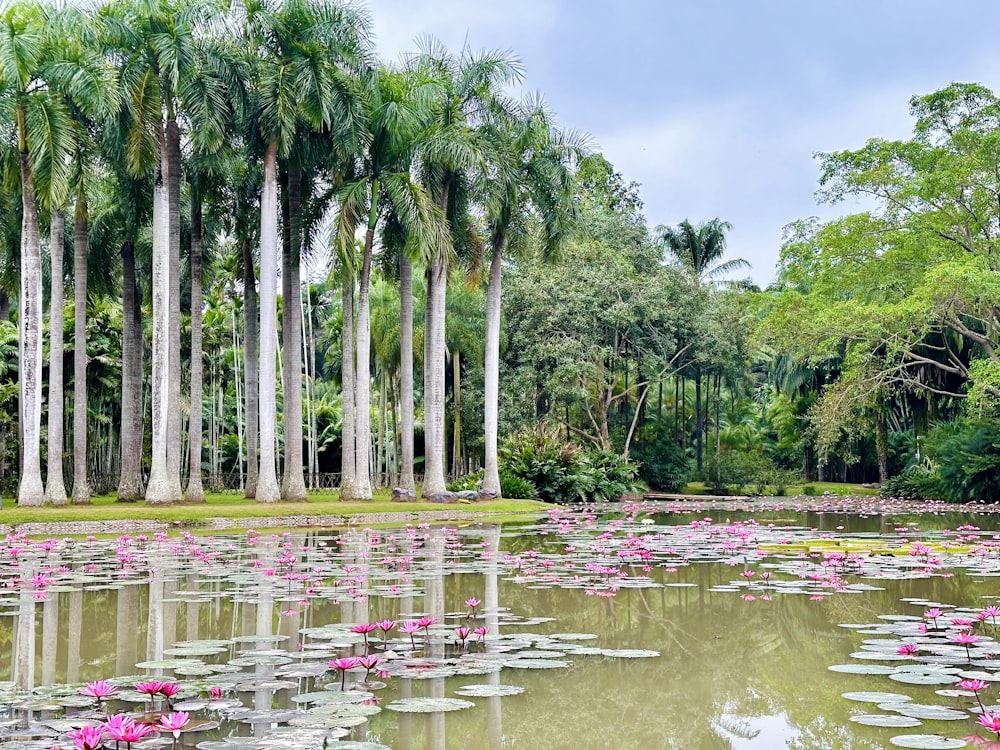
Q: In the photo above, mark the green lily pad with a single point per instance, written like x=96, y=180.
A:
x=926, y=742
x=428, y=705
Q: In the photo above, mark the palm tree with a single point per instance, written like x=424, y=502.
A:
x=168, y=68
x=396, y=119
x=699, y=250
x=530, y=176
x=469, y=96
x=55, y=487
x=306, y=53
x=41, y=73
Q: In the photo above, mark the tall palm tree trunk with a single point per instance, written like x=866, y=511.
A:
x=434, y=462
x=347, y=377
x=699, y=419
x=158, y=489
x=30, y=491
x=81, y=487
x=174, y=447
x=293, y=484
x=55, y=490
x=251, y=340
x=362, y=385
x=491, y=389
x=267, y=480
x=195, y=490
x=456, y=386
x=130, y=480
x=406, y=480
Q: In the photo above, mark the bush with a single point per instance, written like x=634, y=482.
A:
x=515, y=488
x=663, y=464
x=913, y=484
x=810, y=490
x=966, y=461
x=734, y=471
x=468, y=482
x=562, y=472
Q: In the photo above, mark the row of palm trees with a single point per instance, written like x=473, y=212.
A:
x=272, y=114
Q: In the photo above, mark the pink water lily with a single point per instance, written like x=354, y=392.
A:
x=87, y=738
x=369, y=663
x=99, y=689
x=481, y=631
x=125, y=729
x=342, y=665
x=462, y=633
x=991, y=722
x=174, y=723
x=472, y=604
x=410, y=627
x=907, y=649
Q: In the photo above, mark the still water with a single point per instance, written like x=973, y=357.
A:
x=637, y=630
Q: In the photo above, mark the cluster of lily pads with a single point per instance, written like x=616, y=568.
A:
x=954, y=649
x=328, y=682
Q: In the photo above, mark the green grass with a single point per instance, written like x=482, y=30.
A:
x=234, y=506
x=818, y=488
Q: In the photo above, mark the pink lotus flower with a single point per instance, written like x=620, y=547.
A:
x=174, y=722
x=907, y=649
x=462, y=633
x=127, y=731
x=933, y=614
x=410, y=627
x=369, y=663
x=342, y=665
x=481, y=632
x=472, y=604
x=215, y=693
x=965, y=639
x=974, y=685
x=426, y=622
x=168, y=690
x=100, y=689
x=150, y=688
x=991, y=722
x=364, y=629
x=87, y=738
x=385, y=625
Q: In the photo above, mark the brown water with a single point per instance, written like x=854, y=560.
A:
x=731, y=673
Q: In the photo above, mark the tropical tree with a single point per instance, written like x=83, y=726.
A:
x=55, y=487
x=305, y=55
x=469, y=96
x=699, y=250
x=396, y=115
x=530, y=176
x=40, y=77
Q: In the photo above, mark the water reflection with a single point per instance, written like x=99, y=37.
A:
x=732, y=672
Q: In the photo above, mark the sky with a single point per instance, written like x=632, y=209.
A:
x=718, y=107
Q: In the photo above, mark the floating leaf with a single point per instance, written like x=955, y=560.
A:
x=428, y=705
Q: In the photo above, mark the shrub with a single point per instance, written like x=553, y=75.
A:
x=562, y=472
x=913, y=484
x=515, y=488
x=810, y=490
x=735, y=471
x=663, y=463
x=468, y=482
x=966, y=461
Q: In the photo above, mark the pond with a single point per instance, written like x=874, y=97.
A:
x=648, y=626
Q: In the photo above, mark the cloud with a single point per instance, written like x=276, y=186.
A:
x=397, y=23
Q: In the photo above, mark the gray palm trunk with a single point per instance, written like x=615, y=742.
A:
x=434, y=330
x=347, y=378
x=293, y=486
x=267, y=479
x=195, y=490
x=55, y=489
x=250, y=339
x=81, y=487
x=173, y=152
x=158, y=490
x=30, y=491
x=406, y=479
x=362, y=384
x=130, y=487
x=491, y=389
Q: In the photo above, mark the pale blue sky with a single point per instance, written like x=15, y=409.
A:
x=717, y=106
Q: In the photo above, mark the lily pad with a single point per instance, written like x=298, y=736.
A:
x=428, y=705
x=489, y=691
x=926, y=742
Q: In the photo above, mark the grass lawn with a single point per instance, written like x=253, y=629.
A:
x=815, y=489
x=231, y=505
